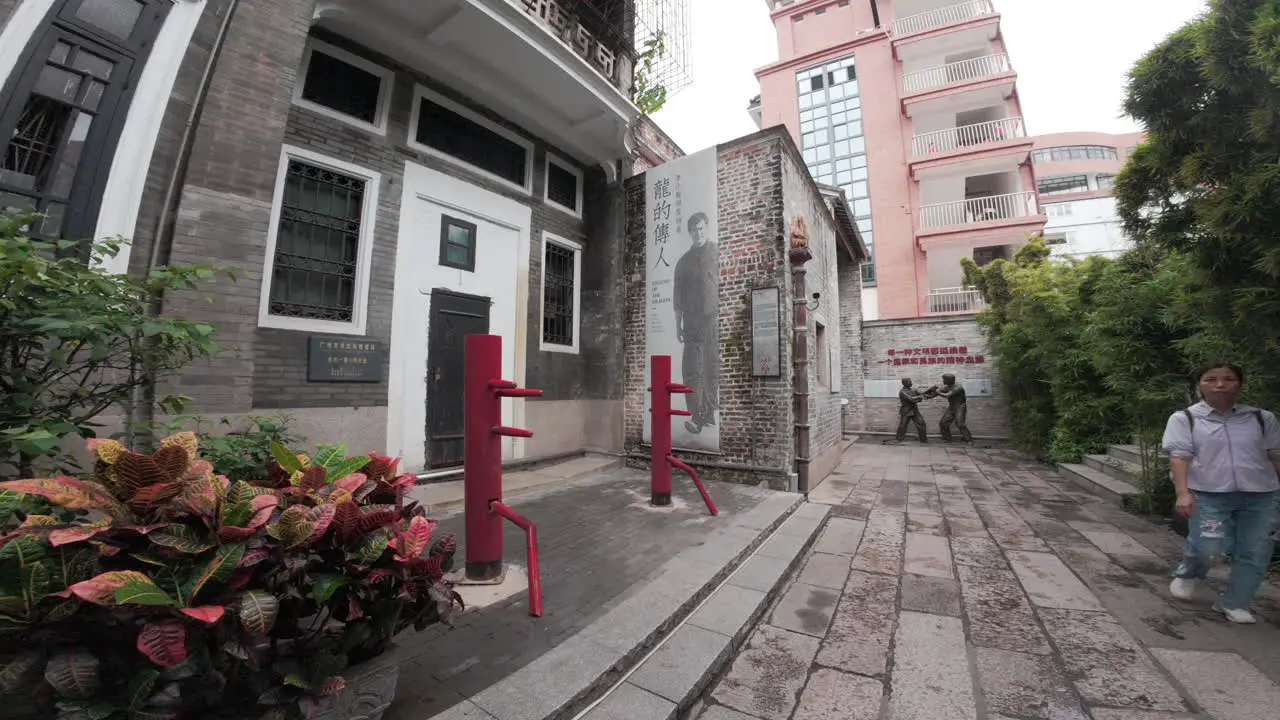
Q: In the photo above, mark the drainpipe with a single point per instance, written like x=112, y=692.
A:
x=799, y=255
x=143, y=408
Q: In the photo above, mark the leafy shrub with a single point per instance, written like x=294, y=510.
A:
x=158, y=589
x=73, y=338
x=245, y=453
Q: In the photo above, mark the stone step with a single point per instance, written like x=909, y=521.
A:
x=1119, y=469
x=1128, y=453
x=445, y=497
x=1097, y=481
x=667, y=682
x=730, y=578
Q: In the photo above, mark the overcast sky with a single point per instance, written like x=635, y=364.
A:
x=1072, y=57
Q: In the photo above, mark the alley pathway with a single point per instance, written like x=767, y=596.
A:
x=962, y=583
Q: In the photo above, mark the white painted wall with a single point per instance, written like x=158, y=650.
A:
x=14, y=35
x=870, y=303
x=502, y=274
x=122, y=198
x=1092, y=227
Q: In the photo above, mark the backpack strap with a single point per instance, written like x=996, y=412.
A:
x=1257, y=415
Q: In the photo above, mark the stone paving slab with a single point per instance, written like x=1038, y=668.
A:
x=931, y=679
x=862, y=628
x=1043, y=602
x=766, y=678
x=832, y=694
x=1224, y=684
x=1031, y=686
x=610, y=589
x=1112, y=670
x=841, y=537
x=935, y=595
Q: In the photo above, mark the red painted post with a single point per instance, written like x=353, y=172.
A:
x=482, y=469
x=531, y=550
x=661, y=459
x=660, y=440
x=482, y=473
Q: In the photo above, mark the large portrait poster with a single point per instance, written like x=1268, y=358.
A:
x=682, y=256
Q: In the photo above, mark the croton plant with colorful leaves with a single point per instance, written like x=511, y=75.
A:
x=157, y=589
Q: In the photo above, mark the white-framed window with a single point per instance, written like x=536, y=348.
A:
x=1058, y=209
x=344, y=86
x=320, y=245
x=564, y=186
x=443, y=128
x=561, y=294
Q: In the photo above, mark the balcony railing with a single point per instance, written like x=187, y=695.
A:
x=942, y=16
x=965, y=136
x=955, y=300
x=956, y=72
x=977, y=210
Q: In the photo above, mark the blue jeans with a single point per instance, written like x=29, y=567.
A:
x=1237, y=522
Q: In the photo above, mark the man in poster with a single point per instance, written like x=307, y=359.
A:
x=696, y=301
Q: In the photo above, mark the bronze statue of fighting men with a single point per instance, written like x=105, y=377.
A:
x=909, y=400
x=957, y=408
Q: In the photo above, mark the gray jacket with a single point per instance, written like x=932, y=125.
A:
x=1229, y=452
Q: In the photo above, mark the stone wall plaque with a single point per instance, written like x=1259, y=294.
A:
x=766, y=332
x=344, y=359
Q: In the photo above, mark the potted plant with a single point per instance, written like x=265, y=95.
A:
x=157, y=589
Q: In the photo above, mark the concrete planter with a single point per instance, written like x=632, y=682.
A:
x=371, y=687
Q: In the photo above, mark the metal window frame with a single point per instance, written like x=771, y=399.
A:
x=448, y=221
x=84, y=201
x=565, y=165
x=386, y=79
x=576, y=248
x=364, y=253
x=421, y=92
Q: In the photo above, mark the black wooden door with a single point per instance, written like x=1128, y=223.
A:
x=453, y=318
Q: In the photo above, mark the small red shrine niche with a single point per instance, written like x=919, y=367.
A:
x=940, y=355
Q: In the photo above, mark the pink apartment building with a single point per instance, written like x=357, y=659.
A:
x=911, y=108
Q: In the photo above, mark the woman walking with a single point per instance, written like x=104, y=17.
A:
x=1224, y=459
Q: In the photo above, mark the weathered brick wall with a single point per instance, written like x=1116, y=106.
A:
x=852, y=370
x=988, y=416
x=756, y=426
x=227, y=198
x=800, y=199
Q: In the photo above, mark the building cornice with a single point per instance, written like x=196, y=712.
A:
x=870, y=36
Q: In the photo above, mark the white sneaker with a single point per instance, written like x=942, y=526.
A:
x=1183, y=588
x=1242, y=617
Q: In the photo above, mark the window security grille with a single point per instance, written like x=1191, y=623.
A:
x=317, y=244
x=558, y=294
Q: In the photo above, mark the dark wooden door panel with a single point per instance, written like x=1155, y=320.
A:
x=453, y=318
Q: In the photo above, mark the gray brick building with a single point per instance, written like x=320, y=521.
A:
x=381, y=175
x=387, y=178
x=762, y=188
